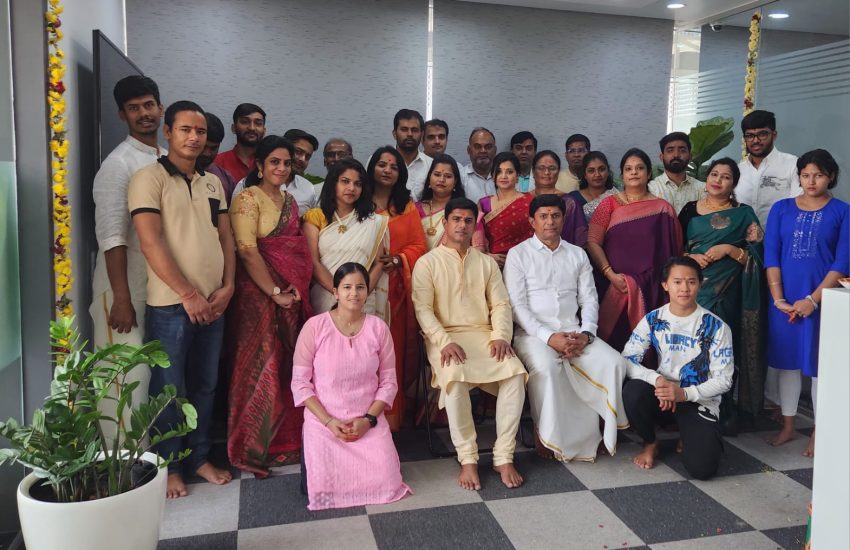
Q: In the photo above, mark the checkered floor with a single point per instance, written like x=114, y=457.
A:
x=757, y=501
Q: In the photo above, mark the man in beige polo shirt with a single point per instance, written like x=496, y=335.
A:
x=180, y=214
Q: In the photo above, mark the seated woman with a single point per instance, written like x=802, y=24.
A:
x=442, y=184
x=265, y=315
x=407, y=243
x=807, y=249
x=344, y=374
x=695, y=366
x=505, y=214
x=546, y=166
x=596, y=184
x=631, y=236
x=726, y=240
x=344, y=229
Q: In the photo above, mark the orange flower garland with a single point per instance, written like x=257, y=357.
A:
x=63, y=280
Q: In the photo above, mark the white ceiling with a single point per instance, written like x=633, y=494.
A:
x=823, y=16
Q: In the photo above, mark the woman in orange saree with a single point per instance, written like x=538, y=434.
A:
x=388, y=173
x=505, y=214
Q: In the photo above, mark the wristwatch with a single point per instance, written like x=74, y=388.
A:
x=276, y=291
x=373, y=420
x=396, y=261
x=590, y=336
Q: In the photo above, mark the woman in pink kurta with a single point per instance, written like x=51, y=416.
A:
x=350, y=373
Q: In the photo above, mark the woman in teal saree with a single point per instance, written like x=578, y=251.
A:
x=725, y=238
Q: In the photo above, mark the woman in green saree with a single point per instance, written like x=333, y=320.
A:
x=725, y=238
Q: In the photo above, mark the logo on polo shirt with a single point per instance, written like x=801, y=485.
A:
x=211, y=187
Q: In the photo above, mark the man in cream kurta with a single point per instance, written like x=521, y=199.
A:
x=464, y=312
x=574, y=378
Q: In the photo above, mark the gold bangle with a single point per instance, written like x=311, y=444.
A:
x=741, y=255
x=775, y=283
x=606, y=268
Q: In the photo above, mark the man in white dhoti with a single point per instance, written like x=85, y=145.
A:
x=465, y=314
x=574, y=378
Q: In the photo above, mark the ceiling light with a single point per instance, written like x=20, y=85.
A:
x=778, y=15
x=675, y=6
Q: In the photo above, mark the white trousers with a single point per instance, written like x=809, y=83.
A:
x=784, y=387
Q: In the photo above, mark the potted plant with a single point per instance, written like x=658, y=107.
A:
x=88, y=491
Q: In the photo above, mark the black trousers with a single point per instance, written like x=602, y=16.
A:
x=699, y=429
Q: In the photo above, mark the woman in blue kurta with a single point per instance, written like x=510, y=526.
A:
x=807, y=249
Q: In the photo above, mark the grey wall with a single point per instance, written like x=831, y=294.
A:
x=331, y=69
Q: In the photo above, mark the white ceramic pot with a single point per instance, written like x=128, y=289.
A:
x=129, y=521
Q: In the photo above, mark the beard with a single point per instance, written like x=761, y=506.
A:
x=676, y=166
x=408, y=145
x=242, y=139
x=203, y=161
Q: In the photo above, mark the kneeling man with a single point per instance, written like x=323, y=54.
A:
x=464, y=312
x=574, y=378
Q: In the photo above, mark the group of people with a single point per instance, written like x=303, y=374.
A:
x=614, y=307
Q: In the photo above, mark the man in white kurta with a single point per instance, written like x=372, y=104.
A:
x=463, y=309
x=574, y=378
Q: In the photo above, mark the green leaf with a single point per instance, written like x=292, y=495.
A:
x=191, y=415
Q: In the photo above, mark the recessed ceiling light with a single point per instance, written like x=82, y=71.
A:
x=778, y=15
x=675, y=6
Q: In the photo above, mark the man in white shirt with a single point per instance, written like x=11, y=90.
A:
x=675, y=185
x=407, y=132
x=767, y=174
x=574, y=378
x=436, y=137
x=475, y=176
x=120, y=274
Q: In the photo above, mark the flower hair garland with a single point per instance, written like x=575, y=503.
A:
x=752, y=57
x=63, y=280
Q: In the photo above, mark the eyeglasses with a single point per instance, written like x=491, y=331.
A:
x=577, y=151
x=546, y=169
x=761, y=135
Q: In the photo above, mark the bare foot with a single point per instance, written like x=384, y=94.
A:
x=468, y=477
x=541, y=450
x=679, y=447
x=646, y=458
x=786, y=434
x=810, y=447
x=176, y=488
x=510, y=477
x=214, y=475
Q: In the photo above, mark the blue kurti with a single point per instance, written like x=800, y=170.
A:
x=805, y=245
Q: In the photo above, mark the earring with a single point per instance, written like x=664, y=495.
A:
x=259, y=173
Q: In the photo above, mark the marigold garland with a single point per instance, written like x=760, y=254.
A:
x=750, y=79
x=63, y=280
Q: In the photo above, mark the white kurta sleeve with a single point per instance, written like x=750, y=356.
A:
x=588, y=300
x=516, y=283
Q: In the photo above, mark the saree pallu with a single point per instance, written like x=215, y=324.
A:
x=264, y=426
x=638, y=238
x=407, y=240
x=507, y=225
x=575, y=224
x=349, y=240
x=736, y=294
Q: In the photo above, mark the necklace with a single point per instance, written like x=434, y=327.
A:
x=628, y=198
x=714, y=208
x=431, y=231
x=342, y=227
x=350, y=329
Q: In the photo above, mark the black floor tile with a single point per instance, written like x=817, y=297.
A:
x=215, y=541
x=806, y=431
x=733, y=462
x=791, y=538
x=277, y=500
x=761, y=423
x=664, y=512
x=463, y=526
x=6, y=540
x=412, y=444
x=541, y=477
x=802, y=476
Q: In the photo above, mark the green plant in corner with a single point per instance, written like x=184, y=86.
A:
x=65, y=444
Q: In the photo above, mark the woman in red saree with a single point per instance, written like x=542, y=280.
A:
x=505, y=214
x=268, y=309
x=407, y=244
x=631, y=236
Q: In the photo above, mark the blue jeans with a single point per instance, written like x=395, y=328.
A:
x=194, y=352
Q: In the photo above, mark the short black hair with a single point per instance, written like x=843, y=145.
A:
x=264, y=149
x=577, y=137
x=758, y=119
x=461, y=203
x=405, y=114
x=546, y=153
x=683, y=261
x=823, y=160
x=245, y=109
x=400, y=194
x=733, y=166
x=504, y=156
x=180, y=106
x=589, y=157
x=675, y=136
x=347, y=269
x=294, y=134
x=133, y=86
x=481, y=129
x=327, y=198
x=215, y=128
x=458, y=191
x=519, y=137
x=438, y=123
x=639, y=153
x=549, y=199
